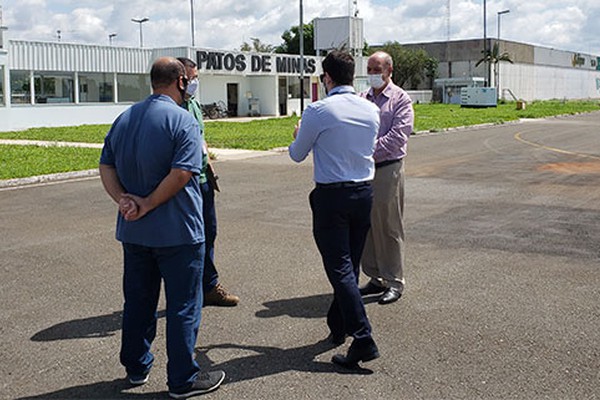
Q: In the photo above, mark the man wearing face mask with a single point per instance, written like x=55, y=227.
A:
x=383, y=257
x=214, y=293
x=149, y=159
x=340, y=131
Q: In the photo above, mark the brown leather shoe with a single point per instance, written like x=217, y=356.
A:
x=218, y=296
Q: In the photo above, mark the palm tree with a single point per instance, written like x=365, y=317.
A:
x=494, y=56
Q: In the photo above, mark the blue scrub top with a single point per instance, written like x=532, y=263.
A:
x=144, y=143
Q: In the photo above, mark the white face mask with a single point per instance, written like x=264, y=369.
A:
x=192, y=87
x=376, y=81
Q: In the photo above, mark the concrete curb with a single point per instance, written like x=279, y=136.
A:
x=45, y=143
x=47, y=179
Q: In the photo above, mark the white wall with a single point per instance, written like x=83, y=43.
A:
x=214, y=88
x=536, y=82
x=264, y=88
x=23, y=117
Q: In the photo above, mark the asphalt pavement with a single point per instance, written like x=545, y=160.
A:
x=503, y=280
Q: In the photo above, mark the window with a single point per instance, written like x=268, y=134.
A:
x=53, y=87
x=19, y=87
x=294, y=87
x=96, y=88
x=2, y=102
x=133, y=87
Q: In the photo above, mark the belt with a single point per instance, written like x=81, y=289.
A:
x=340, y=185
x=386, y=162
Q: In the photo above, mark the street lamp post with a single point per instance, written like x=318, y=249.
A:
x=192, y=21
x=485, y=46
x=140, y=21
x=500, y=13
x=301, y=59
x=110, y=38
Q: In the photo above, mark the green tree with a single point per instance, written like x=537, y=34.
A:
x=257, y=46
x=291, y=41
x=494, y=57
x=411, y=67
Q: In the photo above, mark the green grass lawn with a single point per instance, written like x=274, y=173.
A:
x=261, y=134
x=264, y=134
x=24, y=161
x=437, y=117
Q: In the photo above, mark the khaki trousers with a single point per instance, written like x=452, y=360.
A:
x=383, y=256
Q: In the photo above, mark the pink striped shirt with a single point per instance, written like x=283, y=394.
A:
x=397, y=122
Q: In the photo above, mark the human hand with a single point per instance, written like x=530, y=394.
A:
x=128, y=208
x=138, y=206
x=297, y=128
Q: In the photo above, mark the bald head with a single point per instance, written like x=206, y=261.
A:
x=383, y=58
x=165, y=71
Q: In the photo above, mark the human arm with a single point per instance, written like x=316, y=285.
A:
x=110, y=180
x=166, y=189
x=305, y=134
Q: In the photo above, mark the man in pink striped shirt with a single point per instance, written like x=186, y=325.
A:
x=383, y=256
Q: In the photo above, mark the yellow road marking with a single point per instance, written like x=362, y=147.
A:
x=554, y=149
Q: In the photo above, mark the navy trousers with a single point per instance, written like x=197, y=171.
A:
x=209, y=214
x=341, y=220
x=180, y=268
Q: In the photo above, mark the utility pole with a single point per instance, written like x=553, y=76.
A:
x=497, y=69
x=301, y=60
x=485, y=46
x=192, y=23
x=448, y=10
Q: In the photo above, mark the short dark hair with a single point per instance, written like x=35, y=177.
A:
x=165, y=71
x=187, y=62
x=340, y=67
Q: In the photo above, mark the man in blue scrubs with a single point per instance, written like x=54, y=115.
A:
x=340, y=130
x=149, y=157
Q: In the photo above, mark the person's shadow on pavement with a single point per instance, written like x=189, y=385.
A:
x=115, y=389
x=269, y=360
x=315, y=306
x=92, y=327
x=265, y=361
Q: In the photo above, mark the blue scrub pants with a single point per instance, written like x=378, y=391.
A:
x=181, y=269
x=341, y=220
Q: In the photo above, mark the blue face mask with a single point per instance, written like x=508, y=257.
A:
x=192, y=87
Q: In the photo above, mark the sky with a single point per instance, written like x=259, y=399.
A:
x=225, y=24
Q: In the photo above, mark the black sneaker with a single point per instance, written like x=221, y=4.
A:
x=204, y=383
x=140, y=379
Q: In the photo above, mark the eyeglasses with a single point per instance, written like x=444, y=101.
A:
x=322, y=78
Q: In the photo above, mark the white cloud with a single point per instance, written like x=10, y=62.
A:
x=225, y=24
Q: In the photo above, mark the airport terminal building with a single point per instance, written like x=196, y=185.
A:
x=62, y=84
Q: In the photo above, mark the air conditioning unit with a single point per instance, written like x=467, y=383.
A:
x=478, y=97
